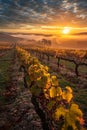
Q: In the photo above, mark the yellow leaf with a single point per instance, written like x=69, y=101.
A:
x=53, y=92
x=60, y=111
x=54, y=81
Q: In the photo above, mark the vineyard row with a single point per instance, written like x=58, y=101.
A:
x=78, y=58
x=54, y=105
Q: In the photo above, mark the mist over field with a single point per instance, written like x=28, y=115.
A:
x=73, y=41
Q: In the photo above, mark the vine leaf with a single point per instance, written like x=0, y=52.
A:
x=51, y=104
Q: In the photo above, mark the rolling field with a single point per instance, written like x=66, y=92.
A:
x=10, y=74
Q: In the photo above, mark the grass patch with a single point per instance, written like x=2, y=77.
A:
x=4, y=76
x=63, y=82
x=4, y=65
x=83, y=69
x=67, y=64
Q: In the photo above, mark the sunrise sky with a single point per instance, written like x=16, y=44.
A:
x=44, y=16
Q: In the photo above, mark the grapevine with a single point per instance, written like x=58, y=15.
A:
x=57, y=103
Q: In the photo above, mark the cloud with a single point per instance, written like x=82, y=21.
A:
x=39, y=34
x=16, y=13
x=81, y=33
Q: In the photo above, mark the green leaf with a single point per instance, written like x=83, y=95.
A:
x=35, y=90
x=51, y=104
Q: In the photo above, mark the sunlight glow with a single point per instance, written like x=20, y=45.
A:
x=66, y=30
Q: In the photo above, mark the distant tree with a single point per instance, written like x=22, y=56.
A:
x=46, y=42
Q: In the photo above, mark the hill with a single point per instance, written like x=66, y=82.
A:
x=6, y=39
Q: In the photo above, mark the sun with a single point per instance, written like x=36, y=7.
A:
x=66, y=30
